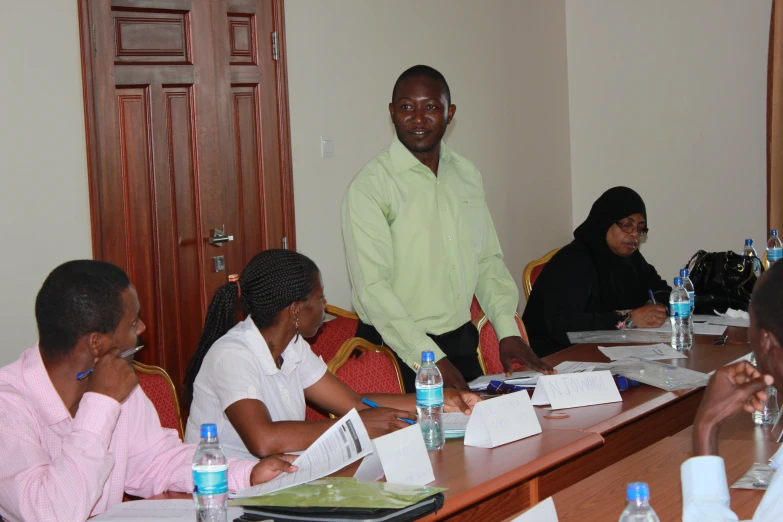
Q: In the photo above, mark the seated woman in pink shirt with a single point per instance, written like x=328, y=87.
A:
x=253, y=378
x=77, y=430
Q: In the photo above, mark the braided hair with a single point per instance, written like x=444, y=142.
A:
x=270, y=282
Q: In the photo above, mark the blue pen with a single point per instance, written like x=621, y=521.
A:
x=123, y=355
x=371, y=404
x=652, y=296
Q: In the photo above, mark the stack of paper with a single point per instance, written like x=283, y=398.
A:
x=526, y=378
x=650, y=352
x=455, y=424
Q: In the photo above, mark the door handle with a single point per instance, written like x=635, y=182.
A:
x=219, y=237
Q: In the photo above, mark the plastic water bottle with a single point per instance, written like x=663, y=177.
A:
x=210, y=477
x=429, y=402
x=774, y=249
x=680, y=316
x=749, y=250
x=687, y=284
x=638, y=508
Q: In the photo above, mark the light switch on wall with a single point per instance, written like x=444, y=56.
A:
x=327, y=147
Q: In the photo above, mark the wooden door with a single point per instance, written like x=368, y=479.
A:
x=186, y=112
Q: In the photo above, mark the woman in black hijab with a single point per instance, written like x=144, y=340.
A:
x=600, y=281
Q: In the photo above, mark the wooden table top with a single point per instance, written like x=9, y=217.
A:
x=602, y=495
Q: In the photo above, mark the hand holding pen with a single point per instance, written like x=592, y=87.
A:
x=380, y=420
x=123, y=355
x=112, y=376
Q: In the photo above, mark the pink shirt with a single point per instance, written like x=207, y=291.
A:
x=55, y=467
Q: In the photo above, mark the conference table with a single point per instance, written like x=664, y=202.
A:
x=493, y=484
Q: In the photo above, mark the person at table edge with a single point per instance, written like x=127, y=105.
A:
x=420, y=242
x=738, y=389
x=71, y=447
x=599, y=281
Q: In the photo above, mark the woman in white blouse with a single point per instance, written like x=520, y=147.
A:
x=253, y=378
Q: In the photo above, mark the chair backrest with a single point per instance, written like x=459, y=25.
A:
x=533, y=270
x=374, y=370
x=333, y=334
x=489, y=345
x=157, y=385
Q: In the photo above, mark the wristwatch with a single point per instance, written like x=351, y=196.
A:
x=628, y=322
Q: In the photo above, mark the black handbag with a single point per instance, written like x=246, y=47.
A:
x=722, y=280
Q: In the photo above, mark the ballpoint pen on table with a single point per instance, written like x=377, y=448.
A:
x=371, y=404
x=123, y=355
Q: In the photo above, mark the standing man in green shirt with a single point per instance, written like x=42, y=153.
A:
x=420, y=243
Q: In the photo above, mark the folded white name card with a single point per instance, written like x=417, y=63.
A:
x=571, y=390
x=404, y=457
x=542, y=512
x=501, y=420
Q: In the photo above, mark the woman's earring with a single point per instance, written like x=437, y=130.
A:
x=296, y=325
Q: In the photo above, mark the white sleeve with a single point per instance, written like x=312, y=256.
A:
x=771, y=507
x=312, y=367
x=705, y=493
x=235, y=375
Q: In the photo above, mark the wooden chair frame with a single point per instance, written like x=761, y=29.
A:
x=483, y=320
x=527, y=286
x=363, y=345
x=336, y=311
x=156, y=370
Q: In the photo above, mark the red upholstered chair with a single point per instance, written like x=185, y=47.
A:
x=334, y=333
x=489, y=345
x=476, y=313
x=374, y=370
x=157, y=385
x=533, y=270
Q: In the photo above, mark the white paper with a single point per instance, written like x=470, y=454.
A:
x=501, y=420
x=370, y=469
x=575, y=367
x=539, y=398
x=404, y=457
x=526, y=377
x=650, y=352
x=455, y=422
x=542, y=512
x=573, y=390
x=172, y=510
x=709, y=328
x=731, y=321
x=345, y=442
x=666, y=327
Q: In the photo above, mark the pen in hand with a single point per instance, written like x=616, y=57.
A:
x=371, y=404
x=652, y=296
x=123, y=355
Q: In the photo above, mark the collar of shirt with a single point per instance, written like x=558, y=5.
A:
x=291, y=356
x=40, y=390
x=403, y=160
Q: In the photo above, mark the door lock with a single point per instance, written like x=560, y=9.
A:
x=219, y=237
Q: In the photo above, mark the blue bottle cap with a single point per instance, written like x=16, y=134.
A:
x=678, y=281
x=637, y=491
x=427, y=356
x=208, y=430
x=774, y=232
x=684, y=272
x=748, y=242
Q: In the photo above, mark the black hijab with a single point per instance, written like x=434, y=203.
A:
x=619, y=281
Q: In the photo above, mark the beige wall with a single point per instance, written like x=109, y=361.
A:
x=44, y=209
x=506, y=66
x=668, y=97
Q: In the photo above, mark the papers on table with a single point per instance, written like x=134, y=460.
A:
x=572, y=390
x=173, y=510
x=528, y=378
x=404, y=457
x=541, y=512
x=731, y=321
x=455, y=424
x=343, y=443
x=501, y=420
x=665, y=376
x=650, y=352
x=574, y=367
x=370, y=469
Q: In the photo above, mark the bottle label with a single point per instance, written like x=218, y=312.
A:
x=774, y=254
x=692, y=296
x=427, y=397
x=680, y=310
x=210, y=480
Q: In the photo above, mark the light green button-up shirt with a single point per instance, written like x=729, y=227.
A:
x=419, y=246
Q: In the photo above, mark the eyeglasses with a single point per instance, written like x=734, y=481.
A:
x=628, y=228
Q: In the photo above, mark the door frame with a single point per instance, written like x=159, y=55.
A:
x=283, y=123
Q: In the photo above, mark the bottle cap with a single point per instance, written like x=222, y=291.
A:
x=427, y=356
x=774, y=232
x=684, y=272
x=637, y=491
x=748, y=242
x=678, y=281
x=208, y=430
